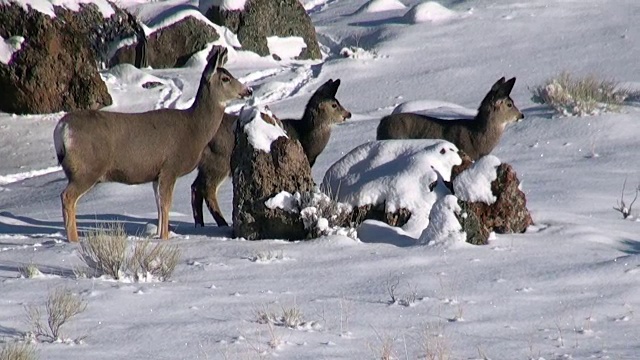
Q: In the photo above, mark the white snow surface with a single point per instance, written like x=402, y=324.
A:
x=46, y=6
x=260, y=133
x=283, y=200
x=474, y=184
x=398, y=173
x=565, y=289
x=444, y=229
x=286, y=47
x=8, y=47
x=374, y=6
x=429, y=11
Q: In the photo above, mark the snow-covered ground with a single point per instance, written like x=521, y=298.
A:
x=566, y=289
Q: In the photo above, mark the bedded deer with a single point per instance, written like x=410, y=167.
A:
x=133, y=148
x=313, y=131
x=476, y=137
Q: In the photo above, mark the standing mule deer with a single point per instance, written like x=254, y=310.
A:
x=313, y=132
x=133, y=148
x=476, y=137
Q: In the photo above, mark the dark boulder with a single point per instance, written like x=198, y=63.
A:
x=264, y=18
x=169, y=46
x=57, y=67
x=260, y=175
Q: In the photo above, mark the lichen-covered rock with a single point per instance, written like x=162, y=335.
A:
x=170, y=46
x=266, y=163
x=507, y=214
x=264, y=18
x=56, y=68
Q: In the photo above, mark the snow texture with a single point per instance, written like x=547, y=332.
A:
x=286, y=47
x=46, y=6
x=474, y=184
x=8, y=47
x=565, y=289
x=430, y=11
x=374, y=6
x=260, y=133
x=399, y=173
x=284, y=200
x=444, y=229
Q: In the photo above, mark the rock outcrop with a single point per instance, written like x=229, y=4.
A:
x=56, y=68
x=169, y=46
x=507, y=214
x=261, y=19
x=266, y=163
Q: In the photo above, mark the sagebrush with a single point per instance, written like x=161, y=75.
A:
x=18, y=351
x=61, y=306
x=106, y=251
x=571, y=95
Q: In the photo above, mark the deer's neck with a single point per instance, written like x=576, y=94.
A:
x=207, y=113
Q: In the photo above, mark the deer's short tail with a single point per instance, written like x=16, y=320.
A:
x=60, y=138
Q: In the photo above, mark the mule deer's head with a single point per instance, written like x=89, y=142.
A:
x=328, y=107
x=502, y=107
x=218, y=82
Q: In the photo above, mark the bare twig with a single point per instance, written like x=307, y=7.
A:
x=621, y=206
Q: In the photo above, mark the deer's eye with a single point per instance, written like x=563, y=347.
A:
x=225, y=79
x=509, y=104
x=334, y=105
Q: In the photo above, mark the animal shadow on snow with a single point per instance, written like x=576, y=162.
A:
x=377, y=232
x=134, y=226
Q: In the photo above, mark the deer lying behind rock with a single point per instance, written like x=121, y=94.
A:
x=476, y=137
x=313, y=131
x=133, y=148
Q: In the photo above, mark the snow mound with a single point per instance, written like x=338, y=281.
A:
x=259, y=132
x=430, y=11
x=131, y=76
x=374, y=6
x=286, y=47
x=234, y=5
x=46, y=6
x=398, y=173
x=8, y=47
x=474, y=184
x=444, y=229
x=438, y=109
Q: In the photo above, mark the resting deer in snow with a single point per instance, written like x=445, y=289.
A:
x=133, y=148
x=313, y=132
x=476, y=137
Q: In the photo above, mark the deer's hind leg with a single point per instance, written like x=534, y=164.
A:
x=69, y=198
x=211, y=192
x=197, y=199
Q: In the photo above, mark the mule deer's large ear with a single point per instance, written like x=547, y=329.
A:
x=328, y=88
x=497, y=85
x=223, y=57
x=212, y=62
x=508, y=86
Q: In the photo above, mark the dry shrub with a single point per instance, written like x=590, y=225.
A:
x=157, y=261
x=104, y=250
x=569, y=95
x=18, y=351
x=61, y=306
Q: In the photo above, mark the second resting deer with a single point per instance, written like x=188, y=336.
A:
x=133, y=148
x=313, y=131
x=475, y=137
